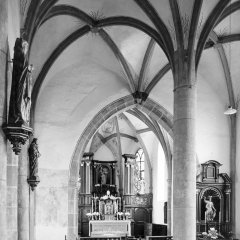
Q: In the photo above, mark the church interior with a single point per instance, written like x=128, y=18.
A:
x=119, y=118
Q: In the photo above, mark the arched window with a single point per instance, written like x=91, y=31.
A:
x=140, y=171
x=140, y=163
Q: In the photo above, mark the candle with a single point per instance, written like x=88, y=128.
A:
x=219, y=221
x=205, y=222
x=99, y=206
x=92, y=206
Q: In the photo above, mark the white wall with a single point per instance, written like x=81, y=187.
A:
x=212, y=126
x=159, y=184
x=13, y=24
x=51, y=204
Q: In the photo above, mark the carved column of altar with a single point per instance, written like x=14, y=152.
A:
x=88, y=177
x=131, y=178
x=198, y=218
x=228, y=204
x=82, y=176
x=127, y=178
x=129, y=172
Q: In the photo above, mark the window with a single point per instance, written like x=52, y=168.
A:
x=140, y=166
x=140, y=163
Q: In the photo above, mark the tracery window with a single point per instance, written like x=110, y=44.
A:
x=140, y=172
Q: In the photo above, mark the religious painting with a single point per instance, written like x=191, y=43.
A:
x=103, y=175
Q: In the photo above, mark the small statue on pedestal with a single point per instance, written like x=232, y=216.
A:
x=33, y=163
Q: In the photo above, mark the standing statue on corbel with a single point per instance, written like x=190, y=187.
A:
x=20, y=100
x=17, y=128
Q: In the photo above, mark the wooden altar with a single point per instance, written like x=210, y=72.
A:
x=213, y=199
x=102, y=210
x=106, y=228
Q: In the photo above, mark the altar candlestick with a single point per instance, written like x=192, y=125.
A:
x=120, y=204
x=205, y=222
x=95, y=200
x=219, y=221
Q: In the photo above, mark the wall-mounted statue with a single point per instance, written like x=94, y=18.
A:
x=20, y=100
x=33, y=158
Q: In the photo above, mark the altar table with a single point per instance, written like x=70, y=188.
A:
x=109, y=228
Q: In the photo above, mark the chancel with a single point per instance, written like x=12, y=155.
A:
x=119, y=119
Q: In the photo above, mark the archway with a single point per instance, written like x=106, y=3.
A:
x=154, y=110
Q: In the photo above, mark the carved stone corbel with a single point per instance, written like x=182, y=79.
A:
x=17, y=135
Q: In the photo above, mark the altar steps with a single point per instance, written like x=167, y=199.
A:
x=107, y=238
x=128, y=238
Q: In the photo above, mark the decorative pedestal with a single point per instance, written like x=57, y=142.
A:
x=17, y=135
x=33, y=182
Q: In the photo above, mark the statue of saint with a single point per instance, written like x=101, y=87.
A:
x=33, y=158
x=210, y=212
x=20, y=100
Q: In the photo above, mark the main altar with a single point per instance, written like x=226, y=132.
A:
x=107, y=218
x=104, y=208
x=107, y=228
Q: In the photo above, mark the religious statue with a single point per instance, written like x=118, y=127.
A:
x=108, y=207
x=20, y=100
x=210, y=212
x=33, y=158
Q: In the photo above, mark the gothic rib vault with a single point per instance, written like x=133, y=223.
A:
x=95, y=59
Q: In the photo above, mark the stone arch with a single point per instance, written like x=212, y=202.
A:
x=150, y=107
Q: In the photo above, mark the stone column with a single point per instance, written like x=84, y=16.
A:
x=120, y=159
x=184, y=160
x=72, y=210
x=23, y=195
x=169, y=207
x=12, y=200
x=169, y=200
x=32, y=214
x=3, y=115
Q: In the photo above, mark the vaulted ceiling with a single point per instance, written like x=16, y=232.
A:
x=90, y=53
